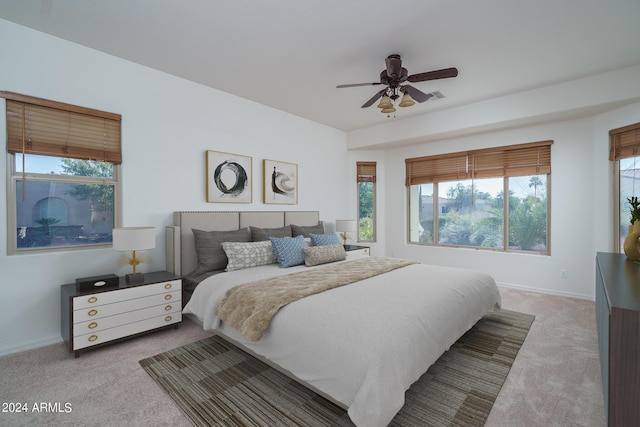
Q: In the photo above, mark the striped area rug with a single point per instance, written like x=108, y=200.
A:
x=216, y=384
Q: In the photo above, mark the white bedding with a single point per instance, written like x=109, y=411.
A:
x=363, y=344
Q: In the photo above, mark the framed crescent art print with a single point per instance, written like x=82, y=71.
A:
x=229, y=178
x=280, y=183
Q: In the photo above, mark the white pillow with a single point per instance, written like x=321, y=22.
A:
x=248, y=254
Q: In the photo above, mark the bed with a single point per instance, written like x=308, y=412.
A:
x=360, y=345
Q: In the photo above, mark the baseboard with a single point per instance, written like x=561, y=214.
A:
x=30, y=345
x=546, y=291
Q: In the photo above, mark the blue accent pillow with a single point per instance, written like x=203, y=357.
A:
x=324, y=239
x=289, y=250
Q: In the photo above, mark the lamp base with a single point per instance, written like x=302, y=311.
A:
x=344, y=237
x=134, y=279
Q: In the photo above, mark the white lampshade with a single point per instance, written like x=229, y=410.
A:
x=134, y=238
x=346, y=225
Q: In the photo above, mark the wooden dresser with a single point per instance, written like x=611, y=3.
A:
x=618, y=323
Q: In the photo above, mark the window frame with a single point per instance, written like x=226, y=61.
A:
x=53, y=129
x=363, y=174
x=13, y=176
x=624, y=143
x=461, y=166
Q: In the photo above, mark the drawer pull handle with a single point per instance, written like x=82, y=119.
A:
x=93, y=338
x=91, y=300
x=167, y=308
x=167, y=285
x=168, y=297
x=168, y=319
x=92, y=325
x=92, y=312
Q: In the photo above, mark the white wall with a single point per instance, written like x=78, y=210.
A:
x=581, y=205
x=167, y=124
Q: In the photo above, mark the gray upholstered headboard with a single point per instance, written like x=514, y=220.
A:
x=181, y=250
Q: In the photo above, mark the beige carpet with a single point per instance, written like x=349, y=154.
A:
x=554, y=381
x=216, y=384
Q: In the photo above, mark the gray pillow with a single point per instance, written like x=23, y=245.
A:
x=304, y=230
x=261, y=234
x=211, y=256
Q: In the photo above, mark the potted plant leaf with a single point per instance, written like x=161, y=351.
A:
x=630, y=246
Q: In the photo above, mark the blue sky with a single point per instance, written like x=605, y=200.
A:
x=39, y=164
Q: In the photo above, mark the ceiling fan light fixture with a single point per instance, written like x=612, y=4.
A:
x=406, y=101
x=393, y=77
x=385, y=102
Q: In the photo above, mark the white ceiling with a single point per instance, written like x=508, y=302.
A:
x=291, y=54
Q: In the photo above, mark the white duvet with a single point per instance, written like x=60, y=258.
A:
x=363, y=344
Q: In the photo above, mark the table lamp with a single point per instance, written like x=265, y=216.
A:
x=344, y=226
x=134, y=239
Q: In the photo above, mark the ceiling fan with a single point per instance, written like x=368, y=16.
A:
x=393, y=77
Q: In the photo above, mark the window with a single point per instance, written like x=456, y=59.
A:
x=366, y=172
x=458, y=199
x=625, y=152
x=63, y=174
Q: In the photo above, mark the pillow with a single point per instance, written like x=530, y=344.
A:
x=248, y=254
x=324, y=239
x=260, y=234
x=211, y=256
x=301, y=230
x=288, y=250
x=316, y=255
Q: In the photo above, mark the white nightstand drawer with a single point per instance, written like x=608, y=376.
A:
x=94, y=318
x=100, y=324
x=106, y=335
x=116, y=295
x=112, y=309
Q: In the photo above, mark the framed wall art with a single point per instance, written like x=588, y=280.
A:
x=229, y=178
x=280, y=183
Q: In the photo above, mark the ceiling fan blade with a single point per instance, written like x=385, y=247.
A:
x=374, y=98
x=394, y=66
x=416, y=94
x=359, y=84
x=433, y=75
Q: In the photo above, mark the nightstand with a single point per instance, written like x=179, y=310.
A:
x=355, y=251
x=95, y=317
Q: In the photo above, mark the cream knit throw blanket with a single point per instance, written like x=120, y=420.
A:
x=250, y=307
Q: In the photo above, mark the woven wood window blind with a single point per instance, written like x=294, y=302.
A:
x=514, y=160
x=624, y=142
x=43, y=127
x=366, y=171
